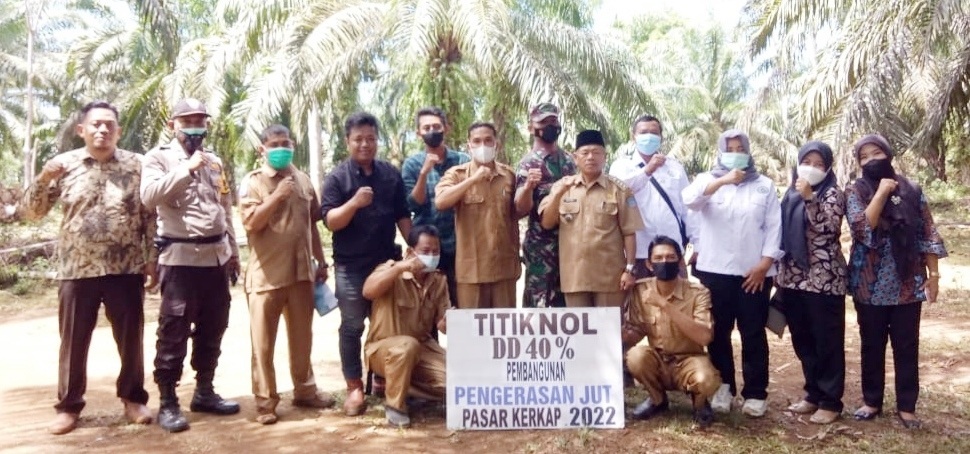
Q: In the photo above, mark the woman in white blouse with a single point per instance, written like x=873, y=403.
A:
x=739, y=219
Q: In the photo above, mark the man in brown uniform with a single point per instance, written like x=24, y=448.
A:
x=104, y=253
x=280, y=212
x=598, y=219
x=481, y=193
x=197, y=256
x=675, y=316
x=410, y=297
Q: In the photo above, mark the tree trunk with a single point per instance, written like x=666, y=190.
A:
x=29, y=162
x=315, y=148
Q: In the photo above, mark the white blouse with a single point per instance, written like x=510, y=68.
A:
x=739, y=224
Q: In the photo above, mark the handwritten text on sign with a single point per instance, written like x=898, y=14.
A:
x=534, y=368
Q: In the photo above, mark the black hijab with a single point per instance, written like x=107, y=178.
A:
x=794, y=238
x=901, y=215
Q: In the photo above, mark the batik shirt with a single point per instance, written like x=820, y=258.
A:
x=872, y=270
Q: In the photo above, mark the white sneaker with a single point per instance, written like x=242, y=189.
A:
x=754, y=408
x=721, y=402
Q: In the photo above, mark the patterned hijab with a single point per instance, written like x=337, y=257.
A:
x=901, y=217
x=794, y=239
x=718, y=170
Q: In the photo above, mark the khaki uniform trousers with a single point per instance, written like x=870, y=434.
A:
x=659, y=373
x=405, y=363
x=295, y=303
x=492, y=295
x=595, y=299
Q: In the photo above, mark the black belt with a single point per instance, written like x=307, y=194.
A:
x=162, y=242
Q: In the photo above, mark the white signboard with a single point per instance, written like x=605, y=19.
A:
x=534, y=369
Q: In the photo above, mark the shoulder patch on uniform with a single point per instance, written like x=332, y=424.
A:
x=619, y=183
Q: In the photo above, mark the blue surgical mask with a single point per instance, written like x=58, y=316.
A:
x=648, y=144
x=430, y=261
x=735, y=160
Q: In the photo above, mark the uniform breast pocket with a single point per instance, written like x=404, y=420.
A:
x=605, y=218
x=568, y=209
x=473, y=197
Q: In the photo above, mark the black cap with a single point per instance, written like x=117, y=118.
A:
x=589, y=137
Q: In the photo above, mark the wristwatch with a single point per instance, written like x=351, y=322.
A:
x=629, y=268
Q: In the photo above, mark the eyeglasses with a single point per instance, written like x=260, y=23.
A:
x=594, y=153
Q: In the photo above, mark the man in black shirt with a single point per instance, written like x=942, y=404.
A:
x=363, y=199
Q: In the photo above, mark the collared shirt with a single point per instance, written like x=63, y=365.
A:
x=487, y=230
x=410, y=308
x=646, y=319
x=105, y=229
x=280, y=252
x=656, y=214
x=826, y=273
x=872, y=269
x=738, y=224
x=189, y=205
x=426, y=213
x=368, y=239
x=594, y=218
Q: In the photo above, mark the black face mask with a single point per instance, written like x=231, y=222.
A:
x=192, y=142
x=433, y=139
x=666, y=271
x=549, y=133
x=877, y=169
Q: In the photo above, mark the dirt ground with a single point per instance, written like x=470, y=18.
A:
x=28, y=376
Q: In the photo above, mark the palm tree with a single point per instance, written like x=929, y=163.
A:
x=896, y=67
x=703, y=89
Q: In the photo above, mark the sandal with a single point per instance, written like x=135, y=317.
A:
x=862, y=414
x=911, y=424
x=824, y=417
x=803, y=407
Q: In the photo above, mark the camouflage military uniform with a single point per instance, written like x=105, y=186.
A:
x=541, y=247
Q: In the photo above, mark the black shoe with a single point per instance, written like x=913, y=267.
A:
x=647, y=409
x=704, y=416
x=210, y=402
x=863, y=415
x=170, y=417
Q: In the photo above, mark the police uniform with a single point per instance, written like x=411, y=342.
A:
x=487, y=237
x=593, y=220
x=279, y=281
x=672, y=361
x=196, y=241
x=399, y=345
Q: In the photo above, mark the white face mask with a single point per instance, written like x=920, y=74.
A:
x=430, y=261
x=483, y=154
x=811, y=174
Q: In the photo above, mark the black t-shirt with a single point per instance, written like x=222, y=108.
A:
x=368, y=239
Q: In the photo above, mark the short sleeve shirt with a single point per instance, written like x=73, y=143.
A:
x=593, y=219
x=691, y=299
x=280, y=252
x=410, y=308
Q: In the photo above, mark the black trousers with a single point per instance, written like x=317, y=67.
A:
x=900, y=325
x=195, y=303
x=817, y=326
x=730, y=304
x=123, y=297
x=447, y=265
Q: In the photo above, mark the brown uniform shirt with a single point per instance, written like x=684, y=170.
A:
x=189, y=206
x=649, y=320
x=105, y=229
x=486, y=229
x=593, y=219
x=408, y=309
x=280, y=252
